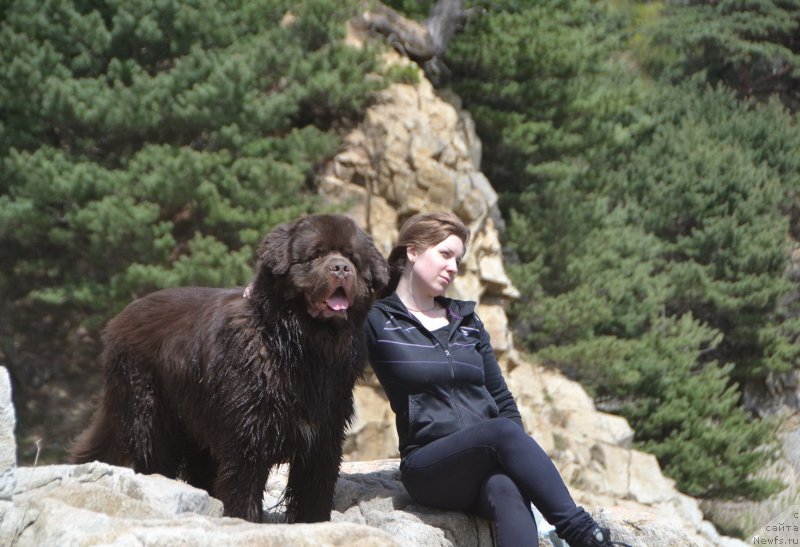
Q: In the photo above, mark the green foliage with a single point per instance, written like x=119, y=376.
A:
x=693, y=236
x=706, y=184
x=556, y=106
x=687, y=414
x=648, y=227
x=147, y=144
x=532, y=78
x=611, y=288
x=553, y=101
x=689, y=417
x=750, y=46
x=160, y=133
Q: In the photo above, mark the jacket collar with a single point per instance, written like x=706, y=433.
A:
x=458, y=309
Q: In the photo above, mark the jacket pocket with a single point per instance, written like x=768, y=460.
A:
x=430, y=417
x=477, y=405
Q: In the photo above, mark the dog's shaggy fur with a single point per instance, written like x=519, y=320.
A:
x=206, y=385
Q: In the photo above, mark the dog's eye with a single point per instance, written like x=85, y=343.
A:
x=315, y=254
x=305, y=260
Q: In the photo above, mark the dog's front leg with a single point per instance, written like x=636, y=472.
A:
x=312, y=479
x=239, y=485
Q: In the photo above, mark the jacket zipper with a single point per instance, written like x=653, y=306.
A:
x=453, y=388
x=456, y=410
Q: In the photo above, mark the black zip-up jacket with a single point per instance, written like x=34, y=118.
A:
x=436, y=390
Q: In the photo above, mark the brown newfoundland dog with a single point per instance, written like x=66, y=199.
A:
x=205, y=385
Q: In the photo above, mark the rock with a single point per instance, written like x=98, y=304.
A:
x=371, y=493
x=417, y=151
x=114, y=490
x=493, y=315
x=101, y=504
x=59, y=524
x=643, y=527
x=592, y=450
x=96, y=503
x=617, y=472
x=8, y=445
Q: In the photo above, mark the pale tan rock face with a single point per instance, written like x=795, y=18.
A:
x=416, y=152
x=373, y=435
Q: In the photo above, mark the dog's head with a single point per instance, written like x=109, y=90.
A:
x=325, y=260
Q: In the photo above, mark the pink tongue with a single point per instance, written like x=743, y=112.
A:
x=337, y=302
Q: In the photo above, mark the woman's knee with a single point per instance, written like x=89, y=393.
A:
x=500, y=485
x=500, y=494
x=505, y=428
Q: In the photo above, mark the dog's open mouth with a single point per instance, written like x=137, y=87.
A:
x=335, y=305
x=338, y=300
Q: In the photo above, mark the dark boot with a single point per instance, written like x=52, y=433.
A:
x=597, y=537
x=581, y=530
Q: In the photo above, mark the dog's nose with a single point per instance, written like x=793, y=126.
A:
x=339, y=268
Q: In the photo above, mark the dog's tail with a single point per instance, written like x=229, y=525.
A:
x=97, y=442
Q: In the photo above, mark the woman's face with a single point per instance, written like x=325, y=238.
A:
x=435, y=267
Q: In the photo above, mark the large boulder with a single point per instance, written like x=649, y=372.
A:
x=99, y=504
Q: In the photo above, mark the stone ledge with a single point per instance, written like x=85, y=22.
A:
x=101, y=504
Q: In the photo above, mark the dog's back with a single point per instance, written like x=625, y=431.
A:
x=156, y=340
x=159, y=324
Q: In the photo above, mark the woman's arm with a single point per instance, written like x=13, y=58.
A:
x=495, y=383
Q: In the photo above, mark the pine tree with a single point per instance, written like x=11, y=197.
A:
x=632, y=209
x=553, y=102
x=682, y=407
x=710, y=183
x=750, y=46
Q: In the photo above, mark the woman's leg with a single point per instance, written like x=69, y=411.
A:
x=449, y=475
x=465, y=458
x=450, y=472
x=502, y=503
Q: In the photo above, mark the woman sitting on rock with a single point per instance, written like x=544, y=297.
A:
x=462, y=443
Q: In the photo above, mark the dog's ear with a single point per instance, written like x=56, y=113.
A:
x=274, y=251
x=378, y=268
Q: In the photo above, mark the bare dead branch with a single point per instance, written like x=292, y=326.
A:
x=423, y=42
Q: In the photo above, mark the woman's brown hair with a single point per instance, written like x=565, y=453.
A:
x=421, y=231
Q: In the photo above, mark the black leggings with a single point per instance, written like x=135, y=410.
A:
x=495, y=470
